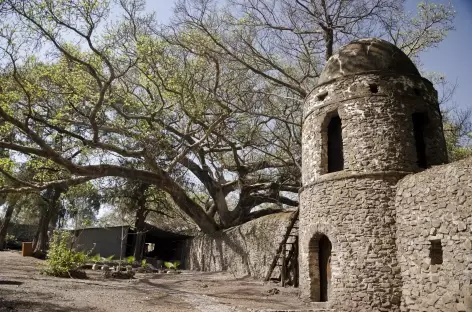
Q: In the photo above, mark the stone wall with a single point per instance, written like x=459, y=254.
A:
x=435, y=207
x=357, y=214
x=244, y=250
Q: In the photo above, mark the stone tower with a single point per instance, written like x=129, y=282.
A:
x=371, y=120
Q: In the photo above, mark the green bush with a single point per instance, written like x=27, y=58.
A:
x=144, y=263
x=130, y=259
x=61, y=260
x=11, y=241
x=95, y=258
x=108, y=259
x=172, y=265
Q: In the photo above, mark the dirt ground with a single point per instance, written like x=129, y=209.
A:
x=23, y=288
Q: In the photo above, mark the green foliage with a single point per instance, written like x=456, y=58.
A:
x=12, y=241
x=61, y=260
x=172, y=265
x=130, y=259
x=82, y=203
x=458, y=137
x=96, y=258
x=224, y=90
x=144, y=263
x=109, y=258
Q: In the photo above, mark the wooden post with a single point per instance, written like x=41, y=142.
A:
x=295, y=263
x=284, y=266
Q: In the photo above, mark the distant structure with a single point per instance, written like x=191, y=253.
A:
x=379, y=232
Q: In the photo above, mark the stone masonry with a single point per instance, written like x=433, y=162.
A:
x=385, y=224
x=245, y=250
x=390, y=126
x=435, y=208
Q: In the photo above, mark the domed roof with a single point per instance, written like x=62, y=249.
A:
x=367, y=55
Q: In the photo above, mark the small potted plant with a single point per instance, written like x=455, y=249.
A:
x=107, y=263
x=172, y=267
x=144, y=266
x=95, y=259
x=130, y=261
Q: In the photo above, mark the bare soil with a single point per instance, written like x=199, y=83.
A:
x=23, y=288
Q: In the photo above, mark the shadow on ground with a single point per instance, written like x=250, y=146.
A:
x=23, y=306
x=31, y=302
x=250, y=296
x=16, y=283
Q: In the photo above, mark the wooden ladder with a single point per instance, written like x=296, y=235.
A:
x=286, y=255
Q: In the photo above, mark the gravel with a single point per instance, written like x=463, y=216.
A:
x=24, y=289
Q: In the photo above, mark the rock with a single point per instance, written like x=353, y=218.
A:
x=273, y=291
x=461, y=307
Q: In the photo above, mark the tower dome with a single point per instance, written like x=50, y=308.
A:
x=368, y=55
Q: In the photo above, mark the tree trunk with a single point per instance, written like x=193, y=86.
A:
x=139, y=239
x=140, y=220
x=4, y=227
x=188, y=206
x=227, y=217
x=41, y=238
x=328, y=31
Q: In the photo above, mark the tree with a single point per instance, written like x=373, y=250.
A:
x=81, y=204
x=205, y=110
x=139, y=200
x=29, y=177
x=458, y=133
x=6, y=221
x=49, y=211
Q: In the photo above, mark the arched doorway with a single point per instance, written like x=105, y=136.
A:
x=320, y=267
x=325, y=267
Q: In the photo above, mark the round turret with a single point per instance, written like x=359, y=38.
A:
x=371, y=120
x=385, y=115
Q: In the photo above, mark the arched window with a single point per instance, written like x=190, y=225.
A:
x=419, y=124
x=335, y=145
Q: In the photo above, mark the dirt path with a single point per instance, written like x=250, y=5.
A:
x=23, y=289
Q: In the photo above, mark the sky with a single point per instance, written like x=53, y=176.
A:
x=452, y=57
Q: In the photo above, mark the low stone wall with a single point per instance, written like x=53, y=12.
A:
x=434, y=222
x=243, y=250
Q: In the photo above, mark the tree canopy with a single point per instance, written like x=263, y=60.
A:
x=206, y=108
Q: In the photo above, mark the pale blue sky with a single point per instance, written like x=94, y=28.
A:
x=452, y=57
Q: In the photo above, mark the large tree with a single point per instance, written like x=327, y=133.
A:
x=207, y=109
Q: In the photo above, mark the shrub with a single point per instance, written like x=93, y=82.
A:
x=144, y=264
x=61, y=260
x=172, y=265
x=130, y=259
x=108, y=259
x=12, y=242
x=95, y=258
